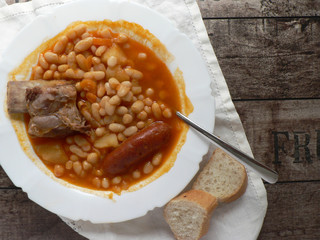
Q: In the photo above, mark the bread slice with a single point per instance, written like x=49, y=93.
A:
x=189, y=214
x=223, y=177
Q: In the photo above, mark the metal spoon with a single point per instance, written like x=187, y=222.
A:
x=263, y=171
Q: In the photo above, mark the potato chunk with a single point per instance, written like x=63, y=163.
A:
x=51, y=152
x=108, y=140
x=116, y=52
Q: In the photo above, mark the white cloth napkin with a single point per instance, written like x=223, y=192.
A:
x=241, y=219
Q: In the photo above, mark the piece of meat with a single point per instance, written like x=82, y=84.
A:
x=137, y=148
x=48, y=126
x=50, y=104
x=47, y=100
x=53, y=111
x=16, y=93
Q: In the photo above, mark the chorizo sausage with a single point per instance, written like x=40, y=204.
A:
x=137, y=147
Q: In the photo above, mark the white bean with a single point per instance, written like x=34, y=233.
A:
x=96, y=75
x=96, y=182
x=123, y=90
x=149, y=92
x=86, y=165
x=100, y=131
x=115, y=100
x=58, y=170
x=128, y=97
x=142, y=115
x=80, y=141
x=100, y=50
x=148, y=168
x=136, y=174
x=127, y=118
x=134, y=73
x=51, y=57
x=60, y=45
x=130, y=131
x=101, y=90
x=136, y=90
x=114, y=83
x=122, y=110
x=116, y=180
x=167, y=113
x=105, y=183
x=121, y=137
x=140, y=124
x=156, y=110
x=110, y=91
x=109, y=108
x=78, y=151
x=69, y=165
x=63, y=67
x=38, y=72
x=83, y=45
x=79, y=29
x=156, y=159
x=137, y=106
x=77, y=167
x=116, y=127
x=95, y=107
x=43, y=62
x=48, y=75
x=92, y=158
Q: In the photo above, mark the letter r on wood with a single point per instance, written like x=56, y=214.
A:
x=298, y=145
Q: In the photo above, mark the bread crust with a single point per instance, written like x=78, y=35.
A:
x=202, y=199
x=222, y=180
x=220, y=158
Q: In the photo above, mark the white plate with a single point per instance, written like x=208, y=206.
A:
x=74, y=203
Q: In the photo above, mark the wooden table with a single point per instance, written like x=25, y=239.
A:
x=269, y=52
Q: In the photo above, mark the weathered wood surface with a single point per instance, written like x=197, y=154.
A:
x=285, y=135
x=5, y=182
x=269, y=54
x=23, y=219
x=293, y=212
x=268, y=58
x=258, y=8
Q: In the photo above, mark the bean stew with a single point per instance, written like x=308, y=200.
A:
x=123, y=89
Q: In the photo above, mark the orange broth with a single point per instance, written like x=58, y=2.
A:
x=157, y=76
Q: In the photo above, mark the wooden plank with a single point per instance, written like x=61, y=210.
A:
x=258, y=8
x=23, y=219
x=293, y=212
x=284, y=135
x=272, y=58
x=5, y=182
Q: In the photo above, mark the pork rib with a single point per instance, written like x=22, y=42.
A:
x=51, y=106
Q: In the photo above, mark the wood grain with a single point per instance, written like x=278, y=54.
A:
x=293, y=212
x=272, y=58
x=258, y=8
x=5, y=182
x=23, y=219
x=269, y=53
x=291, y=123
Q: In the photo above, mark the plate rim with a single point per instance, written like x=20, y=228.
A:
x=29, y=191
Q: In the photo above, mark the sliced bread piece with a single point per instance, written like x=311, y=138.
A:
x=223, y=177
x=189, y=214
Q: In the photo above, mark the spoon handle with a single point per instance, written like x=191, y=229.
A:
x=263, y=171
